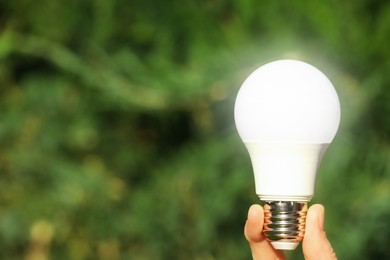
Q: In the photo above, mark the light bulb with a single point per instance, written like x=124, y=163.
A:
x=287, y=112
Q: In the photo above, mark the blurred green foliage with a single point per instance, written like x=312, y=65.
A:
x=117, y=138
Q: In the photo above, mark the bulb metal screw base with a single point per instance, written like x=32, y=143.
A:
x=284, y=223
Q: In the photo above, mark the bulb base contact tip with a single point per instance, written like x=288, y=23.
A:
x=284, y=223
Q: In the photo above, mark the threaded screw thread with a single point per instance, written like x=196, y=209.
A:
x=284, y=221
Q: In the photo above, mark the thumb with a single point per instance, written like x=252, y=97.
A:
x=315, y=244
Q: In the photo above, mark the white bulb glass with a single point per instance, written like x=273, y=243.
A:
x=287, y=112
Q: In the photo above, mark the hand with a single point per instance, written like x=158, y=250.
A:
x=315, y=245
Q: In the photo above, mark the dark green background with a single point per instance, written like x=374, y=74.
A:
x=117, y=138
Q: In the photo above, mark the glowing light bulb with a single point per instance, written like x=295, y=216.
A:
x=287, y=112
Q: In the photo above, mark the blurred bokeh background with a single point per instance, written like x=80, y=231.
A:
x=117, y=138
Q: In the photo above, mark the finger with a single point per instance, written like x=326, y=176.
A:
x=315, y=244
x=260, y=247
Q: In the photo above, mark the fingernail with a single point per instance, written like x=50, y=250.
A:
x=254, y=212
x=321, y=219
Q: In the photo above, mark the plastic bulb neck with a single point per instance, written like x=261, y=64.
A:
x=284, y=223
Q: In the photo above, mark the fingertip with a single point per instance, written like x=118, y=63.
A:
x=254, y=223
x=255, y=211
x=319, y=208
x=316, y=216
